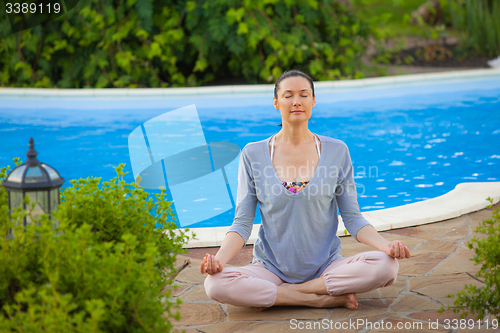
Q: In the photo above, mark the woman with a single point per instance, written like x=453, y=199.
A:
x=300, y=179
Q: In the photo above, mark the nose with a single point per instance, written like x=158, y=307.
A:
x=296, y=101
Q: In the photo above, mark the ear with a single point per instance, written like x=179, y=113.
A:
x=314, y=101
x=276, y=105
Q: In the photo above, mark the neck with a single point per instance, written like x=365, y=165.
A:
x=294, y=135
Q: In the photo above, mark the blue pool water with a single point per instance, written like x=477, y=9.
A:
x=408, y=142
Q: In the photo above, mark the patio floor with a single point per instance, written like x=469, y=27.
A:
x=440, y=265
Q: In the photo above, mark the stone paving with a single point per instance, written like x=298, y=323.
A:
x=440, y=265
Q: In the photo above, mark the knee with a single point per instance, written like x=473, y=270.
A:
x=387, y=269
x=214, y=287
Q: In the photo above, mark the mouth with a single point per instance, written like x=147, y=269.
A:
x=297, y=111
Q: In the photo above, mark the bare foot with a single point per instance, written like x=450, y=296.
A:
x=347, y=301
x=259, y=309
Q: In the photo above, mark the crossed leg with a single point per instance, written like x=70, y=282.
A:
x=255, y=286
x=357, y=274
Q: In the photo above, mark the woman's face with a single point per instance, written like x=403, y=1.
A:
x=295, y=99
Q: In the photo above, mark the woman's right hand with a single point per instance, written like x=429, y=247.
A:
x=211, y=265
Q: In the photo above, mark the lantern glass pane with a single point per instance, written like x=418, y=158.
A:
x=35, y=175
x=37, y=210
x=52, y=173
x=16, y=175
x=16, y=199
x=54, y=198
x=43, y=200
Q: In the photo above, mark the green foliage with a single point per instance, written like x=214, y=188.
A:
x=478, y=24
x=487, y=248
x=146, y=43
x=106, y=266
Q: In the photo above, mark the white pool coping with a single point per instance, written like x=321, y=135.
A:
x=464, y=199
x=242, y=89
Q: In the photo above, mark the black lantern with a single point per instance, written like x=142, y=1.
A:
x=38, y=181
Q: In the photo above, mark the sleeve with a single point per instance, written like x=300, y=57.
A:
x=347, y=197
x=246, y=199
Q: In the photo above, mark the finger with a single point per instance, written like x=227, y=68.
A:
x=215, y=264
x=401, y=250
x=202, y=268
x=396, y=250
x=219, y=266
x=391, y=250
x=407, y=252
x=209, y=264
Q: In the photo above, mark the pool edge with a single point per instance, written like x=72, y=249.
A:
x=463, y=199
x=238, y=89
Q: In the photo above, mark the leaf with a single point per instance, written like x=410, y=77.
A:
x=242, y=28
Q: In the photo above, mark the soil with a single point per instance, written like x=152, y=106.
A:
x=439, y=56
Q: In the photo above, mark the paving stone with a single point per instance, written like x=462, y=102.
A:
x=390, y=325
x=387, y=292
x=348, y=240
x=413, y=303
x=420, y=263
x=272, y=327
x=450, y=223
x=431, y=230
x=362, y=310
x=455, y=234
x=183, y=330
x=191, y=275
x=357, y=324
x=438, y=245
x=199, y=314
x=179, y=260
x=378, y=303
x=477, y=217
x=460, y=263
x=434, y=316
x=410, y=242
x=438, y=287
x=236, y=313
x=413, y=232
x=179, y=289
x=351, y=247
x=197, y=293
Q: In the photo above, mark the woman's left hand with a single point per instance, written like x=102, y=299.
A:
x=396, y=249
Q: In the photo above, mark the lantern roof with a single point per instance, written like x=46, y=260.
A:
x=33, y=175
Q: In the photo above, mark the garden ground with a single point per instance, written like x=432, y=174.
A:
x=440, y=265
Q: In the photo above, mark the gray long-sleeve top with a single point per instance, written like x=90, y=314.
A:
x=297, y=238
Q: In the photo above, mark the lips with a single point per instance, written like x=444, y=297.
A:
x=297, y=111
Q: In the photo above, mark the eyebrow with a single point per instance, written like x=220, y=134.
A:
x=284, y=91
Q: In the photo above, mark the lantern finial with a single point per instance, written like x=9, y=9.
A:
x=32, y=154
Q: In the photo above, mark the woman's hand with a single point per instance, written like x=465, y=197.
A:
x=210, y=265
x=397, y=250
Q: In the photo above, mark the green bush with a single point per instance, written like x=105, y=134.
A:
x=478, y=24
x=476, y=300
x=146, y=43
x=106, y=266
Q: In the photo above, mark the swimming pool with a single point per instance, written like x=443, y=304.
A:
x=409, y=139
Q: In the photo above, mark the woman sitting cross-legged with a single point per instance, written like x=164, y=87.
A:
x=300, y=180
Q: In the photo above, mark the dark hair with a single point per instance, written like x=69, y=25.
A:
x=292, y=73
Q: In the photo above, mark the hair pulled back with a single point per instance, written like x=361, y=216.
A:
x=291, y=73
